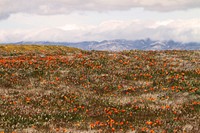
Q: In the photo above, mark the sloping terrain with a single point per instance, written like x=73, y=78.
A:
x=22, y=49
x=61, y=89
x=122, y=44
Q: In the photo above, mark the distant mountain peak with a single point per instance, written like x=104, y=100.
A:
x=123, y=44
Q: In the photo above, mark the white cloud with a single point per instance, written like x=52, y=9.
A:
x=49, y=7
x=179, y=30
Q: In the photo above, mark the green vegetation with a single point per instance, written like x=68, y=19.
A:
x=62, y=89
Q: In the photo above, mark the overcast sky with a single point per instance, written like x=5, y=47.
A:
x=86, y=20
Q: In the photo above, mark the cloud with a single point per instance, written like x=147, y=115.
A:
x=179, y=30
x=50, y=7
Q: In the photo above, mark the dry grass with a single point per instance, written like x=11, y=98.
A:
x=20, y=49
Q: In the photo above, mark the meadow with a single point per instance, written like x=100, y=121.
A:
x=59, y=89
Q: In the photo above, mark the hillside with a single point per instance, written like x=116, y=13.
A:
x=21, y=49
x=98, y=91
x=123, y=44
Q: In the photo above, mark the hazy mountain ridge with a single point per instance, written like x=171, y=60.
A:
x=122, y=44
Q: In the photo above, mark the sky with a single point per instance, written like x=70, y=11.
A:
x=97, y=20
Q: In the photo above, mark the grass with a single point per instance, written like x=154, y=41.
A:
x=62, y=89
x=22, y=49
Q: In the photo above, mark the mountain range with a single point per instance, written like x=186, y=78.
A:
x=122, y=44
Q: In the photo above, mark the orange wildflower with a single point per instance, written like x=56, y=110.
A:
x=92, y=125
x=64, y=130
x=144, y=129
x=167, y=106
x=113, y=129
x=75, y=109
x=119, y=86
x=123, y=111
x=57, y=78
x=149, y=122
x=28, y=99
x=121, y=123
x=152, y=131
